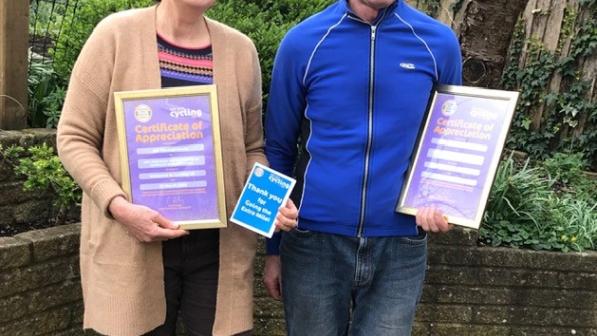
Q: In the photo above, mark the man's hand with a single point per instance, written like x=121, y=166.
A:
x=143, y=223
x=272, y=276
x=432, y=219
x=287, y=217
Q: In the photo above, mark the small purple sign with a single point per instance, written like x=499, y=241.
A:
x=171, y=161
x=458, y=154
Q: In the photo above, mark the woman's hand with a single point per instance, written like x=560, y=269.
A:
x=272, y=276
x=143, y=223
x=287, y=217
x=432, y=219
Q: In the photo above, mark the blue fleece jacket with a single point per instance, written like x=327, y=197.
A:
x=353, y=95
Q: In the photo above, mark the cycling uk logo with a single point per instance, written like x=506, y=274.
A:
x=259, y=172
x=449, y=108
x=143, y=113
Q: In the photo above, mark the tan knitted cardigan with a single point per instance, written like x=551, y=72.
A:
x=122, y=279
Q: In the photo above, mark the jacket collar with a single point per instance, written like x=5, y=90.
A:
x=345, y=7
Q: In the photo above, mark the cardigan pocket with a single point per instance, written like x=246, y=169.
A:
x=117, y=247
x=110, y=243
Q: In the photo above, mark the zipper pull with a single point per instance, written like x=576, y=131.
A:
x=373, y=29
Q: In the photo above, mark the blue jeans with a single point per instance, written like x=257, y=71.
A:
x=339, y=285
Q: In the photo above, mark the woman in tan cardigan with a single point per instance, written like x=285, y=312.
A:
x=137, y=268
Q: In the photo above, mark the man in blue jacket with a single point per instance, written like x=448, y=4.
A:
x=350, y=85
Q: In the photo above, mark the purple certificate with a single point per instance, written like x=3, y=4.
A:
x=458, y=153
x=170, y=153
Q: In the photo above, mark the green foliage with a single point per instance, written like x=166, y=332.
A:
x=265, y=22
x=567, y=168
x=44, y=172
x=550, y=207
x=592, y=4
x=45, y=18
x=69, y=26
x=568, y=172
x=431, y=7
x=526, y=207
x=53, y=106
x=46, y=91
x=79, y=23
x=564, y=112
x=516, y=196
x=11, y=154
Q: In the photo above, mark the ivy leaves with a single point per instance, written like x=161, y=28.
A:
x=549, y=120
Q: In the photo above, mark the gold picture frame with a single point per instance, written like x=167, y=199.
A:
x=171, y=153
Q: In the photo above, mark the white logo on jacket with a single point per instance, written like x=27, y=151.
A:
x=408, y=66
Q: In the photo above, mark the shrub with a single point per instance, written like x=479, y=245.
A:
x=567, y=169
x=79, y=23
x=265, y=22
x=526, y=210
x=46, y=20
x=44, y=172
x=46, y=91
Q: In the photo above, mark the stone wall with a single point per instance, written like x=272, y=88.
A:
x=469, y=290
x=485, y=291
x=17, y=207
x=473, y=290
x=40, y=291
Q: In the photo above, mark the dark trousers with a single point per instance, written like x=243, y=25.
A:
x=191, y=280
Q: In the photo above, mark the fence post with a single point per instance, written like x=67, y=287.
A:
x=14, y=41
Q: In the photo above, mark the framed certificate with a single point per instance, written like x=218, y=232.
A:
x=171, y=157
x=458, y=152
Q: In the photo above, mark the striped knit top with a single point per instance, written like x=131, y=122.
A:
x=183, y=66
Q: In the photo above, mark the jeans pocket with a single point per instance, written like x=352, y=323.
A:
x=418, y=240
x=302, y=231
x=296, y=235
x=297, y=242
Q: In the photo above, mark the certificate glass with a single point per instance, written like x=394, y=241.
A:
x=458, y=152
x=171, y=158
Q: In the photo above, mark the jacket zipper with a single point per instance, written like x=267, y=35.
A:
x=369, y=132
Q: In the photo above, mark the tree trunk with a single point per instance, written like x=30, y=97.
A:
x=484, y=28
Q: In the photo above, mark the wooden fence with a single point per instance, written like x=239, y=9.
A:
x=558, y=108
x=14, y=19
x=554, y=24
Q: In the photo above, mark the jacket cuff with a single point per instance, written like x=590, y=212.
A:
x=104, y=192
x=272, y=245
